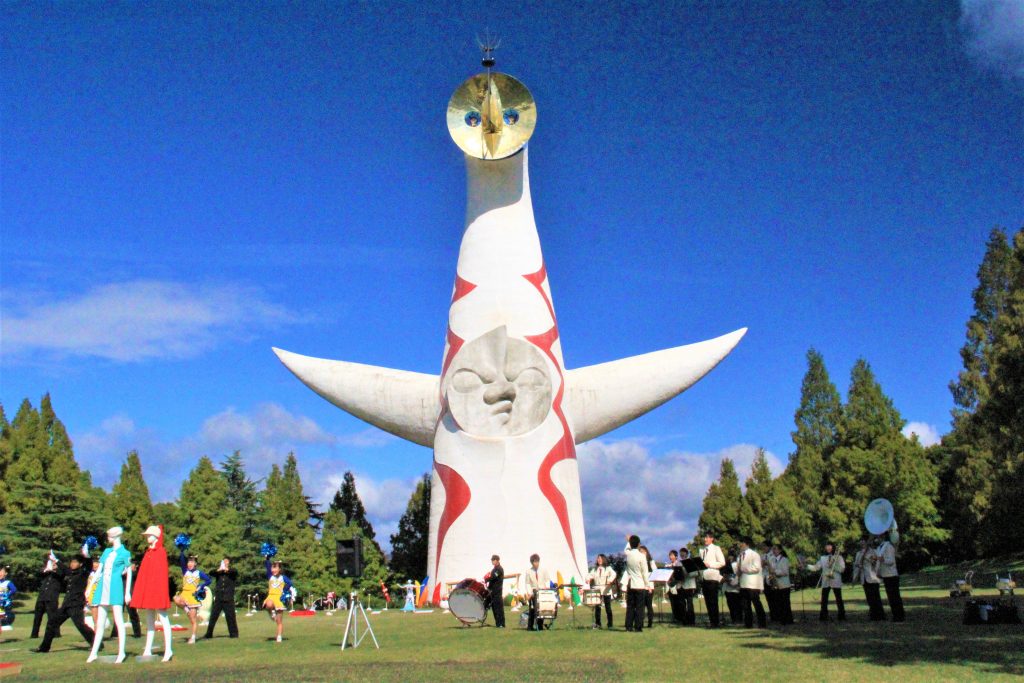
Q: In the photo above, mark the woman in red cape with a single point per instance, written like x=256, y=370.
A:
x=151, y=592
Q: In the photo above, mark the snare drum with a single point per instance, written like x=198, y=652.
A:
x=592, y=597
x=468, y=601
x=546, y=600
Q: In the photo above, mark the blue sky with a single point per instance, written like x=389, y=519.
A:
x=184, y=186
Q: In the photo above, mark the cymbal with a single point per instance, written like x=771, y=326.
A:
x=491, y=115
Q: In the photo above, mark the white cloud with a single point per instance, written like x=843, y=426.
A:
x=994, y=34
x=627, y=489
x=927, y=434
x=135, y=321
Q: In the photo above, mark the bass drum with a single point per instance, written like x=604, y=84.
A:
x=468, y=601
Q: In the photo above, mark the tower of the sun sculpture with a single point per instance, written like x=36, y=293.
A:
x=504, y=415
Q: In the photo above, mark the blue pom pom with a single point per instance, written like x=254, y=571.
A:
x=91, y=543
x=182, y=541
x=268, y=550
x=201, y=594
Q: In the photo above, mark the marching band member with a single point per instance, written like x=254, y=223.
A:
x=891, y=578
x=781, y=586
x=649, y=598
x=495, y=582
x=831, y=565
x=714, y=560
x=74, y=578
x=748, y=566
x=277, y=583
x=731, y=588
x=674, y=588
x=687, y=591
x=193, y=584
x=602, y=577
x=635, y=582
x=767, y=581
x=865, y=568
x=536, y=579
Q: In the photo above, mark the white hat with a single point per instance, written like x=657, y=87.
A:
x=152, y=531
x=115, y=532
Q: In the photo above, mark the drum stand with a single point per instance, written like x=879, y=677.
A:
x=355, y=608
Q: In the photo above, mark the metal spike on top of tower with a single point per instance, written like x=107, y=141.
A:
x=504, y=415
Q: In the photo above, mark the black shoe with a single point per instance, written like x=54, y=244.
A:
x=39, y=651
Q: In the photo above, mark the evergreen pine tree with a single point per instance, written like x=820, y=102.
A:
x=818, y=421
x=244, y=498
x=6, y=454
x=59, y=459
x=27, y=453
x=409, y=543
x=287, y=516
x=348, y=502
x=204, y=512
x=130, y=504
x=726, y=514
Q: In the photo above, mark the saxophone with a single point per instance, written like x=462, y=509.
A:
x=831, y=567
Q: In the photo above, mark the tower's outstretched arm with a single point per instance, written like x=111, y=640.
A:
x=600, y=398
x=406, y=404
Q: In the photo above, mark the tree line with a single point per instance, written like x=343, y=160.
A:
x=957, y=499
x=47, y=501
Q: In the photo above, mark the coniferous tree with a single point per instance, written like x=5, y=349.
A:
x=130, y=504
x=244, y=498
x=726, y=514
x=287, y=517
x=818, y=421
x=409, y=543
x=204, y=512
x=348, y=502
x=58, y=456
x=6, y=453
x=27, y=464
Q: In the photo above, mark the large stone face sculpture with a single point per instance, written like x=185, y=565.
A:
x=504, y=415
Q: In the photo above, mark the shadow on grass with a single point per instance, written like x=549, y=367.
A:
x=932, y=634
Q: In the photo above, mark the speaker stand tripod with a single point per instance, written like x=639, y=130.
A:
x=355, y=610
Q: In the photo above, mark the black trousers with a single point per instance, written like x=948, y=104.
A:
x=892, y=594
x=649, y=606
x=735, y=605
x=533, y=615
x=635, y=601
x=133, y=617
x=686, y=603
x=498, y=610
x=751, y=601
x=50, y=609
x=783, y=609
x=77, y=617
x=770, y=604
x=607, y=600
x=873, y=594
x=840, y=607
x=710, y=590
x=228, y=608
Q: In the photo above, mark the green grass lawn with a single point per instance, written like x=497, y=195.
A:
x=931, y=646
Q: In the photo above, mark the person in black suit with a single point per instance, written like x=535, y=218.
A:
x=495, y=582
x=49, y=595
x=224, y=598
x=74, y=577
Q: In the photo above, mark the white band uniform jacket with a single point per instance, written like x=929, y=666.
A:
x=714, y=560
x=780, y=568
x=887, y=560
x=603, y=578
x=636, y=575
x=831, y=577
x=864, y=567
x=749, y=566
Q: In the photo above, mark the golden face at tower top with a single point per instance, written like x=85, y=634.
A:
x=491, y=116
